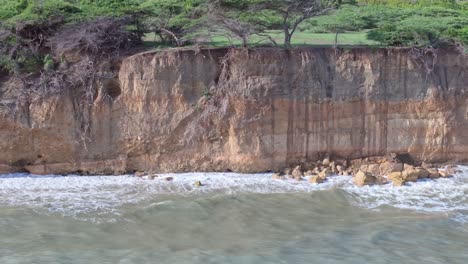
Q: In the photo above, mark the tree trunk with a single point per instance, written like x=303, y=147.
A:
x=176, y=39
x=336, y=39
x=245, y=42
x=287, y=38
x=161, y=37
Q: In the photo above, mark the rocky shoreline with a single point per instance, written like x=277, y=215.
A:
x=398, y=169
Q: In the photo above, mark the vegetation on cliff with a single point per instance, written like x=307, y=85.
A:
x=36, y=35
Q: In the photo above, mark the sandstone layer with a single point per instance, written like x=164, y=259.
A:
x=243, y=110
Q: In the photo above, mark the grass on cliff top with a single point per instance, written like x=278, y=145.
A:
x=299, y=39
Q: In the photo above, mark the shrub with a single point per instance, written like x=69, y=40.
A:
x=418, y=30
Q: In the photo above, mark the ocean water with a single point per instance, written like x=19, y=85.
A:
x=233, y=218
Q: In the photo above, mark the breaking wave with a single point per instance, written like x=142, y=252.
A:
x=84, y=196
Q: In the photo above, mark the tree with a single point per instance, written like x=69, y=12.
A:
x=168, y=18
x=292, y=13
x=227, y=18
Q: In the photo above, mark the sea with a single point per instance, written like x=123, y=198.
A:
x=231, y=218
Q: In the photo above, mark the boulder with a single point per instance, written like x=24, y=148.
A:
x=426, y=165
x=332, y=167
x=397, y=178
x=340, y=168
x=140, y=174
x=445, y=174
x=309, y=173
x=287, y=171
x=397, y=175
x=381, y=180
x=342, y=162
x=297, y=172
x=325, y=173
x=326, y=162
x=434, y=174
x=371, y=168
x=198, y=184
x=152, y=177
x=404, y=158
x=388, y=167
x=364, y=178
x=410, y=175
x=277, y=176
x=422, y=173
x=6, y=169
x=449, y=171
x=316, y=179
x=168, y=179
x=400, y=178
x=398, y=183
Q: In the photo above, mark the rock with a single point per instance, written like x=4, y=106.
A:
x=297, y=172
x=448, y=171
x=404, y=158
x=399, y=178
x=198, y=184
x=407, y=167
x=277, y=176
x=316, y=179
x=309, y=173
x=326, y=162
x=332, y=167
x=4, y=169
x=152, y=177
x=389, y=167
x=410, y=175
x=381, y=180
x=371, y=168
x=316, y=170
x=398, y=183
x=287, y=171
x=298, y=178
x=395, y=176
x=364, y=178
x=434, y=174
x=140, y=174
x=339, y=168
x=325, y=173
x=428, y=165
x=169, y=179
x=422, y=173
x=203, y=101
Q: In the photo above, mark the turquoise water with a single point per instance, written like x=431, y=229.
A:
x=233, y=218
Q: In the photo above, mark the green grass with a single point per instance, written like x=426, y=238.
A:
x=299, y=39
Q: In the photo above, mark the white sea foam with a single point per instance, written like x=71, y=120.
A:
x=82, y=196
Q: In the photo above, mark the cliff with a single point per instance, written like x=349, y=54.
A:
x=243, y=110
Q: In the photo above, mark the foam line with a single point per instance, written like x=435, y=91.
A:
x=87, y=196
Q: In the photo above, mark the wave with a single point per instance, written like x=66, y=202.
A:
x=89, y=197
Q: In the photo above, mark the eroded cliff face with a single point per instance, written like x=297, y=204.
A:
x=244, y=110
